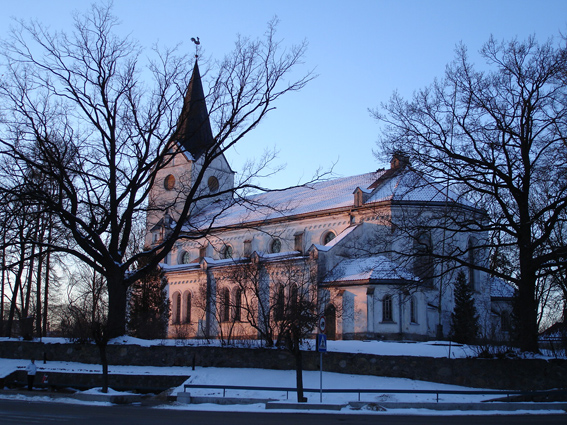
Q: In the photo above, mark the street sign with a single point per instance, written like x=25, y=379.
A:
x=322, y=343
x=322, y=324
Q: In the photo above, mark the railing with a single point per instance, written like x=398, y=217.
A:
x=359, y=391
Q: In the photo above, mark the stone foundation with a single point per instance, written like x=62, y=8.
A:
x=514, y=374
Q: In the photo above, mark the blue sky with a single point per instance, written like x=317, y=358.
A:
x=362, y=50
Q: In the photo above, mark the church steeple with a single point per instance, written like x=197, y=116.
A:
x=194, y=128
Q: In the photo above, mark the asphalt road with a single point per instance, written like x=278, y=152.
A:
x=26, y=412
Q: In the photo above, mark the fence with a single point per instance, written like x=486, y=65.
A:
x=287, y=390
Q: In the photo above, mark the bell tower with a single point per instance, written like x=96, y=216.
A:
x=191, y=148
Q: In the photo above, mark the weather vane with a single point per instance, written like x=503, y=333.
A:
x=197, y=42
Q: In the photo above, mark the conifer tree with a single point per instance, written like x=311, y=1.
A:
x=148, y=314
x=464, y=319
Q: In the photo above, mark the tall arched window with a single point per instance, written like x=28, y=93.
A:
x=413, y=309
x=188, y=307
x=387, y=315
x=472, y=260
x=238, y=305
x=279, y=304
x=176, y=307
x=224, y=305
x=423, y=262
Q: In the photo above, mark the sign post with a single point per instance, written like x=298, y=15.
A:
x=322, y=348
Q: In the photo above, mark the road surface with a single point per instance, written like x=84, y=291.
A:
x=46, y=413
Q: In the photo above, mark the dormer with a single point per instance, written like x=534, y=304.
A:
x=360, y=196
x=399, y=161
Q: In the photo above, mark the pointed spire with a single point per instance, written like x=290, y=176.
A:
x=194, y=128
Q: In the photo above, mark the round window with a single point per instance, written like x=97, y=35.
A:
x=328, y=238
x=227, y=252
x=276, y=246
x=185, y=258
x=169, y=182
x=213, y=184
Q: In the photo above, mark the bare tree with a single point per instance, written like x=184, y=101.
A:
x=280, y=301
x=89, y=96
x=497, y=137
x=84, y=317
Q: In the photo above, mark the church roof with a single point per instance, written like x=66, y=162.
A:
x=312, y=198
x=405, y=185
x=193, y=131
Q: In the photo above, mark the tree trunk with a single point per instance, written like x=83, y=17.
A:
x=116, y=322
x=104, y=362
x=527, y=311
x=46, y=289
x=298, y=370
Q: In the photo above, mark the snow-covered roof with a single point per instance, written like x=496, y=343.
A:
x=316, y=197
x=374, y=269
x=382, y=185
x=410, y=186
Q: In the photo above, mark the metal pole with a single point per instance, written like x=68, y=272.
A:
x=320, y=377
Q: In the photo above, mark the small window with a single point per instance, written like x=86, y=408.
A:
x=226, y=252
x=213, y=184
x=169, y=182
x=276, y=246
x=329, y=236
x=247, y=248
x=298, y=242
x=387, y=315
x=203, y=252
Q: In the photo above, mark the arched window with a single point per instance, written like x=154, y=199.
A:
x=276, y=246
x=279, y=304
x=176, y=307
x=185, y=257
x=169, y=182
x=188, y=307
x=505, y=321
x=213, y=184
x=329, y=236
x=238, y=305
x=294, y=300
x=387, y=315
x=423, y=262
x=224, y=305
x=331, y=320
x=413, y=309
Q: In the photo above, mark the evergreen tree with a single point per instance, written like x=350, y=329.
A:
x=464, y=319
x=148, y=314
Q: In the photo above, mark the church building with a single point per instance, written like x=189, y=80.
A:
x=364, y=243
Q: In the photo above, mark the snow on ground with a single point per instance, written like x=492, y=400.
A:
x=311, y=380
x=8, y=366
x=281, y=378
